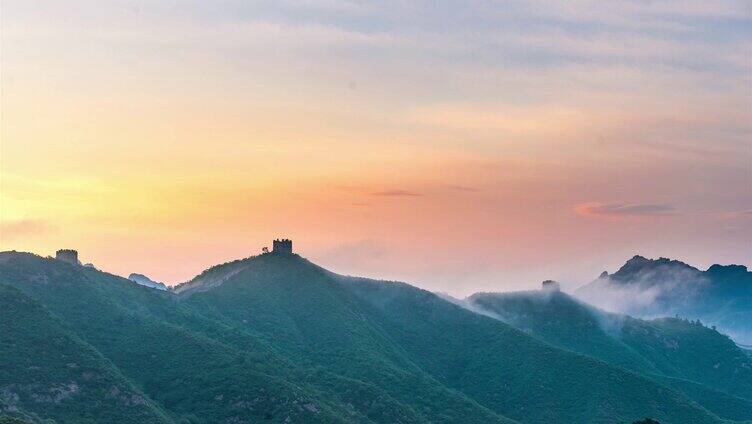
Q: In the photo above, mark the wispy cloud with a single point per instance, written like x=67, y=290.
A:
x=396, y=193
x=616, y=210
x=501, y=119
x=463, y=188
x=738, y=214
x=22, y=228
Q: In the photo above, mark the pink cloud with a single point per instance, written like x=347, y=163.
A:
x=24, y=227
x=622, y=210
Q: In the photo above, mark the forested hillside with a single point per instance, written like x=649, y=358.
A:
x=700, y=362
x=278, y=339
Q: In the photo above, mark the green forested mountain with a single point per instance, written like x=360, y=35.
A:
x=642, y=287
x=189, y=364
x=5, y=419
x=48, y=371
x=275, y=338
x=697, y=361
x=211, y=369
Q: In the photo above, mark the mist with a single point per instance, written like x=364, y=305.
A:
x=649, y=289
x=649, y=294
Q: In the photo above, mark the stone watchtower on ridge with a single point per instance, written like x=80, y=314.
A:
x=550, y=285
x=67, y=255
x=282, y=246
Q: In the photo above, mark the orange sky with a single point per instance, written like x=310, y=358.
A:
x=485, y=151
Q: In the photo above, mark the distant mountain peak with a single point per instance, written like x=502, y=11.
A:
x=146, y=281
x=730, y=269
x=646, y=287
x=640, y=265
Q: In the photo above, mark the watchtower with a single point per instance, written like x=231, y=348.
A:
x=282, y=246
x=67, y=255
x=550, y=285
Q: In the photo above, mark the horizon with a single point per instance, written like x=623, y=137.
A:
x=567, y=287
x=460, y=147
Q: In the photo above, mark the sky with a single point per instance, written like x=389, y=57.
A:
x=459, y=146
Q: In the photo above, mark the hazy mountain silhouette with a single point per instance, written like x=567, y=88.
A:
x=146, y=281
x=720, y=296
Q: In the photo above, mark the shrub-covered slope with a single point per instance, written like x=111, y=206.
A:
x=48, y=372
x=512, y=373
x=278, y=339
x=375, y=331
x=298, y=308
x=697, y=361
x=210, y=368
x=185, y=362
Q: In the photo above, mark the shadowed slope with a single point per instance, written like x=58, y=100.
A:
x=647, y=288
x=699, y=362
x=48, y=372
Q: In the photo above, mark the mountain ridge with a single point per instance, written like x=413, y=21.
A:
x=668, y=350
x=315, y=346
x=642, y=287
x=146, y=281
